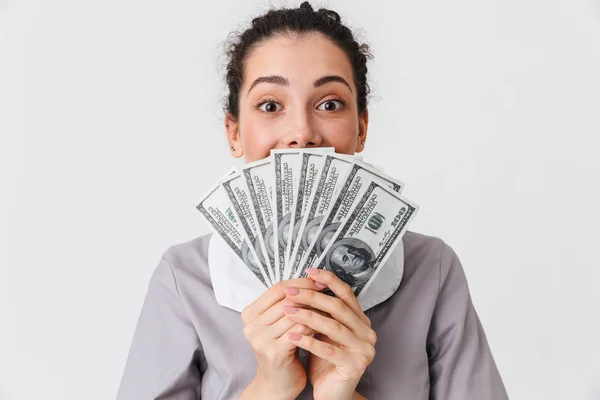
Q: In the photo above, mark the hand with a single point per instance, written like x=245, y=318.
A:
x=279, y=373
x=344, y=344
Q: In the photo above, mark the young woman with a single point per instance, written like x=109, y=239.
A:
x=297, y=78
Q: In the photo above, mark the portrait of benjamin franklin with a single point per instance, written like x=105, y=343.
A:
x=311, y=230
x=351, y=260
x=259, y=252
x=283, y=231
x=270, y=241
x=325, y=237
x=249, y=258
x=297, y=226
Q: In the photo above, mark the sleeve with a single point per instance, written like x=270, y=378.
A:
x=166, y=353
x=461, y=365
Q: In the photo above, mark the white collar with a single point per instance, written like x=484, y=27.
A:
x=236, y=287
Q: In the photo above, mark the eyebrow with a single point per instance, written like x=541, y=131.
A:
x=283, y=81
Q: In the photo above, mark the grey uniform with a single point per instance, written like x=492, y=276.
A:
x=430, y=345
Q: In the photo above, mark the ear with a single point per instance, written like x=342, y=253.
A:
x=361, y=139
x=233, y=136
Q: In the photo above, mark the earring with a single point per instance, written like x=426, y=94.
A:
x=362, y=143
x=232, y=148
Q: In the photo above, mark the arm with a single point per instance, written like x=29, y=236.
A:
x=165, y=354
x=461, y=365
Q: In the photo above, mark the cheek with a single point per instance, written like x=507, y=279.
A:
x=257, y=139
x=342, y=134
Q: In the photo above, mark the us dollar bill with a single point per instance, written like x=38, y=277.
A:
x=218, y=211
x=368, y=236
x=286, y=167
x=335, y=167
x=238, y=195
x=310, y=168
x=259, y=179
x=356, y=183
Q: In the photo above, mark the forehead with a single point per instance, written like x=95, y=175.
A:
x=300, y=58
x=342, y=249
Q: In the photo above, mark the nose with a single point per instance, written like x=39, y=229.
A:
x=303, y=133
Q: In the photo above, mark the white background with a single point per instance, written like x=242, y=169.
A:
x=111, y=127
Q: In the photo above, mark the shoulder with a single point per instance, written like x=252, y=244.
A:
x=419, y=247
x=188, y=261
x=426, y=262
x=192, y=250
x=427, y=255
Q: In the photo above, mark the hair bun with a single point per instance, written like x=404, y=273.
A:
x=306, y=6
x=331, y=14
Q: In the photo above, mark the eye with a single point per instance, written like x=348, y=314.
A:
x=269, y=106
x=331, y=105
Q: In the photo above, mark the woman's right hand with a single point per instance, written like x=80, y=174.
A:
x=279, y=373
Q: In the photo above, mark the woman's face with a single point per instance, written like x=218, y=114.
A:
x=297, y=92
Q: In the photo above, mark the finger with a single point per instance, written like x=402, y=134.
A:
x=285, y=325
x=334, y=307
x=327, y=326
x=263, y=303
x=340, y=288
x=304, y=283
x=329, y=352
x=271, y=297
x=300, y=329
x=274, y=314
x=271, y=317
x=261, y=337
x=338, y=356
x=285, y=344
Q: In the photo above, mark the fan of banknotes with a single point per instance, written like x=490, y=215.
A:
x=309, y=208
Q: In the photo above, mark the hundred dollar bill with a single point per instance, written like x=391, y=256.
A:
x=368, y=236
x=333, y=171
x=286, y=167
x=259, y=179
x=218, y=211
x=237, y=191
x=307, y=176
x=356, y=183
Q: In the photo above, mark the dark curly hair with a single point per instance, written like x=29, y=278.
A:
x=294, y=21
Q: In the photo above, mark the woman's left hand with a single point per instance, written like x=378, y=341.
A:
x=344, y=345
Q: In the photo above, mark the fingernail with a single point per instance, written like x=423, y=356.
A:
x=320, y=285
x=291, y=290
x=312, y=271
x=290, y=310
x=294, y=337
